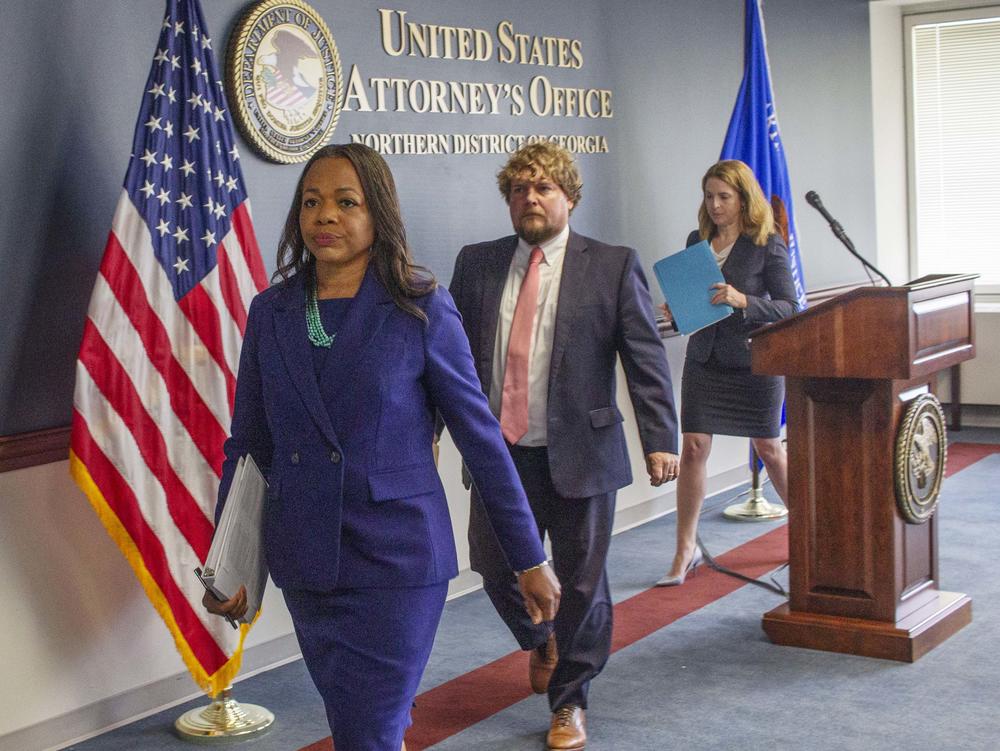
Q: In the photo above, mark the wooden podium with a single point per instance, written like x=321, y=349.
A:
x=863, y=580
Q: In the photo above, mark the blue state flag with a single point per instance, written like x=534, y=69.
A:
x=753, y=137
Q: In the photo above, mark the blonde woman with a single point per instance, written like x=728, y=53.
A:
x=719, y=394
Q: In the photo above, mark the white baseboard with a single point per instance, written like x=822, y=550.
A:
x=115, y=711
x=654, y=508
x=107, y=714
x=467, y=581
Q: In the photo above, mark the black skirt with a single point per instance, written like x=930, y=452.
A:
x=729, y=401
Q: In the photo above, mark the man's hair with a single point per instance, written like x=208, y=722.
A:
x=543, y=158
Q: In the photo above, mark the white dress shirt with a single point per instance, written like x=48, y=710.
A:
x=540, y=351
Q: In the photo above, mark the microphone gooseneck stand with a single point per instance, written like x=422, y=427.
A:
x=812, y=197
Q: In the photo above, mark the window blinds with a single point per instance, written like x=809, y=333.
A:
x=955, y=100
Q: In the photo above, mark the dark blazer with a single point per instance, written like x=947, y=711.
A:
x=604, y=311
x=354, y=498
x=763, y=274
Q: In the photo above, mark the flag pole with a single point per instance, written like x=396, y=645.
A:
x=223, y=719
x=753, y=137
x=757, y=508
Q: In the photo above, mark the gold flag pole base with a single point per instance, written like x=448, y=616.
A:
x=223, y=719
x=757, y=508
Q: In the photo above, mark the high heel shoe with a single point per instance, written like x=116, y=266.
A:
x=674, y=581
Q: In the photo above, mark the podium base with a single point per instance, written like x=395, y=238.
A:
x=906, y=640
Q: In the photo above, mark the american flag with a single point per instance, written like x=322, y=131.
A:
x=156, y=372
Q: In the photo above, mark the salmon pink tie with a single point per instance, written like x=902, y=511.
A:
x=514, y=404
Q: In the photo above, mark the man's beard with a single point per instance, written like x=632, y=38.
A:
x=535, y=233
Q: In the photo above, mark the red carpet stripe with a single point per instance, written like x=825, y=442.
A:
x=961, y=455
x=460, y=703
x=447, y=709
x=450, y=708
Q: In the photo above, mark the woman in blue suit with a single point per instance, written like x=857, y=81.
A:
x=344, y=362
x=719, y=394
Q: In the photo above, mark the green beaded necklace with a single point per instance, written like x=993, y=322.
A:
x=314, y=324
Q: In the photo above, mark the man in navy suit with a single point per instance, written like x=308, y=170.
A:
x=547, y=363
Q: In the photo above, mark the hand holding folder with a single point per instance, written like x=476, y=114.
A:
x=236, y=556
x=686, y=279
x=232, y=609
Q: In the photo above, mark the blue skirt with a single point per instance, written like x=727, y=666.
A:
x=729, y=401
x=365, y=650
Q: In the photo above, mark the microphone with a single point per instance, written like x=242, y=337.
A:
x=813, y=199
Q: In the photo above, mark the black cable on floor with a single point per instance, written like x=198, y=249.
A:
x=773, y=586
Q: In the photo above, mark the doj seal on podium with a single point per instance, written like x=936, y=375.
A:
x=284, y=80
x=921, y=451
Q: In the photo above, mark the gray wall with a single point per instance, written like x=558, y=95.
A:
x=76, y=71
x=676, y=88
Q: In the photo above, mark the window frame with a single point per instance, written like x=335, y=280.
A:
x=985, y=293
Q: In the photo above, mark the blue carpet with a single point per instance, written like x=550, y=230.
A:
x=710, y=680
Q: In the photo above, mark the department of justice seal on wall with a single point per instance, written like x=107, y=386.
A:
x=284, y=79
x=921, y=451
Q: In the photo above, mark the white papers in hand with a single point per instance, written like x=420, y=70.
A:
x=236, y=556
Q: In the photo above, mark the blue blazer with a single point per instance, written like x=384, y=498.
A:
x=354, y=498
x=604, y=312
x=763, y=274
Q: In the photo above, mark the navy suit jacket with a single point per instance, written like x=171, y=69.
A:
x=604, y=311
x=354, y=498
x=763, y=274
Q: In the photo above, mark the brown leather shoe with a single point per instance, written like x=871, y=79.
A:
x=541, y=663
x=568, y=731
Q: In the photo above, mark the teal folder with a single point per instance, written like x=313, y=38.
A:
x=686, y=278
